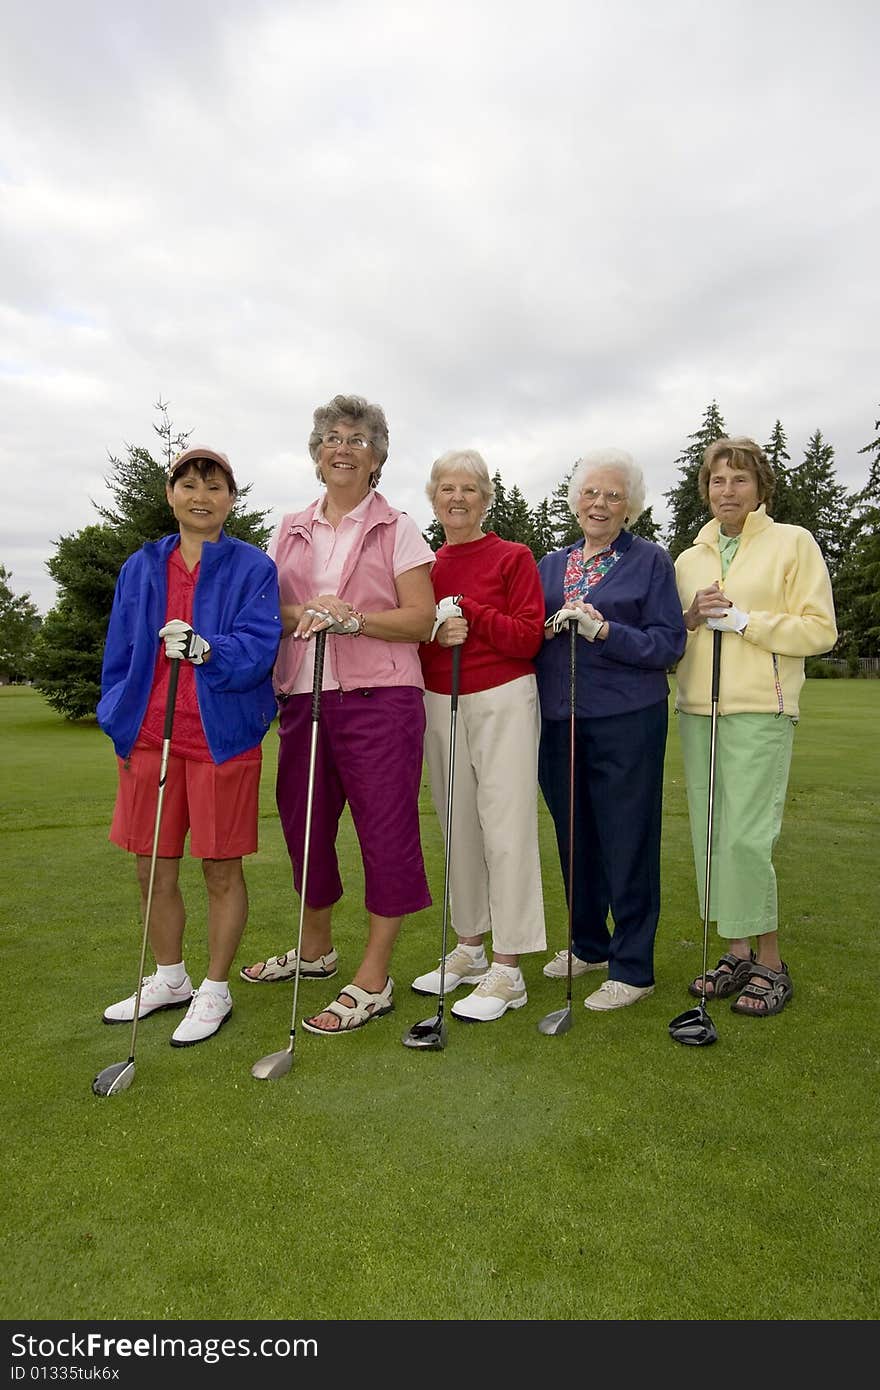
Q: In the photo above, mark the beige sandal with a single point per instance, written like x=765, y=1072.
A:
x=278, y=968
x=366, y=1007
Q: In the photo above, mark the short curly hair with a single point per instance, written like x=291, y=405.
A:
x=624, y=464
x=370, y=418
x=742, y=453
x=462, y=461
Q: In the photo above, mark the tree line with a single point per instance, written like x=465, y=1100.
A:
x=62, y=652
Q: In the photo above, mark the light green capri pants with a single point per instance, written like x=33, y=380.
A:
x=752, y=761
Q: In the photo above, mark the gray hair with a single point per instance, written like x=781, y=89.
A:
x=461, y=461
x=371, y=419
x=622, y=463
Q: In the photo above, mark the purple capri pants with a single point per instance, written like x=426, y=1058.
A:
x=370, y=755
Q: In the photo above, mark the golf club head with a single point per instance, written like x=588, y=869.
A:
x=112, y=1080
x=694, y=1028
x=276, y=1065
x=429, y=1035
x=556, y=1023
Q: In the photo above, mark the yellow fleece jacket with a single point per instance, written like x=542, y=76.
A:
x=778, y=577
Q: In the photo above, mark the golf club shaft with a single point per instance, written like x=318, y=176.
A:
x=170, y=702
x=710, y=810
x=453, y=722
x=572, y=706
x=317, y=683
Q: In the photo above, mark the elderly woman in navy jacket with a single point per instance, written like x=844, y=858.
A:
x=621, y=590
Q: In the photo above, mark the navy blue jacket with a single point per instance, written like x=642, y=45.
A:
x=235, y=608
x=639, y=599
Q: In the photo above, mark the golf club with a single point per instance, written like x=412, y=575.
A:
x=278, y=1064
x=560, y=1020
x=430, y=1034
x=120, y=1075
x=694, y=1027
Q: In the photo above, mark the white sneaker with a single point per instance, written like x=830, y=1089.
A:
x=462, y=967
x=206, y=1014
x=156, y=994
x=557, y=968
x=494, y=995
x=614, y=994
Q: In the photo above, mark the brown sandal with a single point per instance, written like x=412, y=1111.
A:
x=725, y=982
x=772, y=996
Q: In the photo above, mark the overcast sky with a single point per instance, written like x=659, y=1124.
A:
x=532, y=228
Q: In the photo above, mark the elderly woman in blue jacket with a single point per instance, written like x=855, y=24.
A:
x=211, y=602
x=621, y=591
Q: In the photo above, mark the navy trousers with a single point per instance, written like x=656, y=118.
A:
x=618, y=808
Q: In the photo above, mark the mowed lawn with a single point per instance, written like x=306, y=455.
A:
x=605, y=1174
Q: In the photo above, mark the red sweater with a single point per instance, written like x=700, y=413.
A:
x=503, y=602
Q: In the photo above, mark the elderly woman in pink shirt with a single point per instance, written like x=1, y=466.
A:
x=352, y=558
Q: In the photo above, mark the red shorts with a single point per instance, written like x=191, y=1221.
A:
x=216, y=802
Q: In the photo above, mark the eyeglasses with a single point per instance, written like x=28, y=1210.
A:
x=592, y=494
x=354, y=441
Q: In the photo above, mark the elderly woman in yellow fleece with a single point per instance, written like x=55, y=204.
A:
x=766, y=586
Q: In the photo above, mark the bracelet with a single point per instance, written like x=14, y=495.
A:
x=361, y=621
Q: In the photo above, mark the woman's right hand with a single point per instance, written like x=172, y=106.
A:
x=706, y=603
x=452, y=633
x=319, y=612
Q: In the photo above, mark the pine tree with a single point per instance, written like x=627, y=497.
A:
x=434, y=534
x=543, y=540
x=857, y=588
x=70, y=645
x=646, y=526
x=19, y=625
x=817, y=500
x=687, y=508
x=497, y=516
x=776, y=450
x=566, y=528
x=519, y=518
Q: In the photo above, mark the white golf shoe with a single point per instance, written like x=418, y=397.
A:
x=500, y=990
x=614, y=994
x=557, y=968
x=156, y=994
x=206, y=1015
x=465, y=965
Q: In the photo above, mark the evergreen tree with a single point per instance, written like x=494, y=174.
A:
x=497, y=516
x=817, y=500
x=519, y=518
x=857, y=588
x=70, y=646
x=19, y=625
x=776, y=450
x=434, y=534
x=543, y=539
x=646, y=526
x=685, y=503
x=566, y=528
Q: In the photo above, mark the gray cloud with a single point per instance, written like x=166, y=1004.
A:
x=530, y=228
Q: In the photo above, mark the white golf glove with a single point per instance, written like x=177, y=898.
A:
x=734, y=620
x=587, y=626
x=182, y=644
x=345, y=627
x=446, y=608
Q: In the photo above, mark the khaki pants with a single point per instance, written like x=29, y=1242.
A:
x=495, y=867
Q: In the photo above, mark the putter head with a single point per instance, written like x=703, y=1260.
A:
x=112, y=1080
x=276, y=1065
x=429, y=1035
x=556, y=1023
x=694, y=1028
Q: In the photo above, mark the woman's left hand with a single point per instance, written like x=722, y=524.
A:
x=318, y=613
x=452, y=633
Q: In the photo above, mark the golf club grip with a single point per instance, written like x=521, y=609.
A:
x=318, y=680
x=456, y=677
x=172, y=697
x=716, y=664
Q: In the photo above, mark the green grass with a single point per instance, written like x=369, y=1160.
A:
x=605, y=1174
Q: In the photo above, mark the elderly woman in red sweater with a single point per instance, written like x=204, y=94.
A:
x=490, y=601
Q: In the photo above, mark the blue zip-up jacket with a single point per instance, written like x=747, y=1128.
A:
x=646, y=635
x=235, y=608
